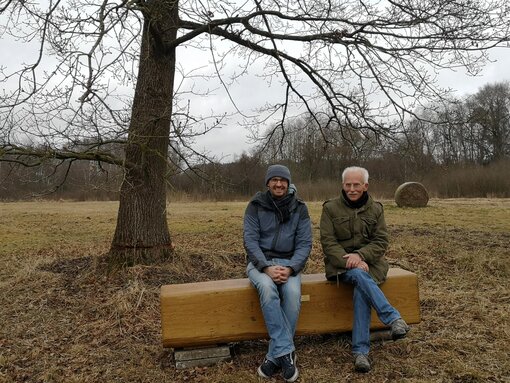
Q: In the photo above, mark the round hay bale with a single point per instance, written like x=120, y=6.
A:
x=411, y=194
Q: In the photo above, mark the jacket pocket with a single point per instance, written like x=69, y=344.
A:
x=342, y=227
x=368, y=225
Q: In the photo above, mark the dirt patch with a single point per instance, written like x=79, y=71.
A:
x=70, y=268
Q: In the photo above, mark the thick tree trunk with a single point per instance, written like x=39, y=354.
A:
x=142, y=234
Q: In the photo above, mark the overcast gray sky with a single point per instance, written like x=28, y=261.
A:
x=496, y=71
x=233, y=140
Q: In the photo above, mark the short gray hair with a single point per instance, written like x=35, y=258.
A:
x=363, y=171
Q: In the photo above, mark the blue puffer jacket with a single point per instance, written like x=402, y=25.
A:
x=266, y=238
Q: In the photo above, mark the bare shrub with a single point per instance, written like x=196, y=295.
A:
x=472, y=181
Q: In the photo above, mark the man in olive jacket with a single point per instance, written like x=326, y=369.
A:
x=354, y=240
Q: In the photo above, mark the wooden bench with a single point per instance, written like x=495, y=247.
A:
x=216, y=312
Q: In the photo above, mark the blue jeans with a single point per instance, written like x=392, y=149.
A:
x=367, y=294
x=280, y=304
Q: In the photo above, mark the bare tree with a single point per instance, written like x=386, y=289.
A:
x=360, y=64
x=490, y=115
x=473, y=130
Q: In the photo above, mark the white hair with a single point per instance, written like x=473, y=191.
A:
x=363, y=171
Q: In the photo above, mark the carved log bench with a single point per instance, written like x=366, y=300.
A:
x=217, y=312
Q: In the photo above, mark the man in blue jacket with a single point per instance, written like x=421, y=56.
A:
x=278, y=240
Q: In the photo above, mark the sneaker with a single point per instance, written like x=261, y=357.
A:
x=294, y=357
x=361, y=363
x=399, y=329
x=267, y=369
x=288, y=364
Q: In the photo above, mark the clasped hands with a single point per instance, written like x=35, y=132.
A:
x=354, y=261
x=279, y=274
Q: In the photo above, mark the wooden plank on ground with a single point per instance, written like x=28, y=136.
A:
x=195, y=314
x=199, y=357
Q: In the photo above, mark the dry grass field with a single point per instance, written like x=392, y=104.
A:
x=64, y=319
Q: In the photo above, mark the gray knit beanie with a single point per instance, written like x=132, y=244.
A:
x=277, y=171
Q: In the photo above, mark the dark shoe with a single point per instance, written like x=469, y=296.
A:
x=399, y=329
x=288, y=364
x=267, y=369
x=361, y=363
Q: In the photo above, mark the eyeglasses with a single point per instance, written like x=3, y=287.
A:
x=355, y=186
x=275, y=180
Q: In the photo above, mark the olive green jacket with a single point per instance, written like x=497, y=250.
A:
x=346, y=230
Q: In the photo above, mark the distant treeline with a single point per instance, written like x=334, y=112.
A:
x=458, y=150
x=240, y=179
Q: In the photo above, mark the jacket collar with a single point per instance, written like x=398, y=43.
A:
x=362, y=203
